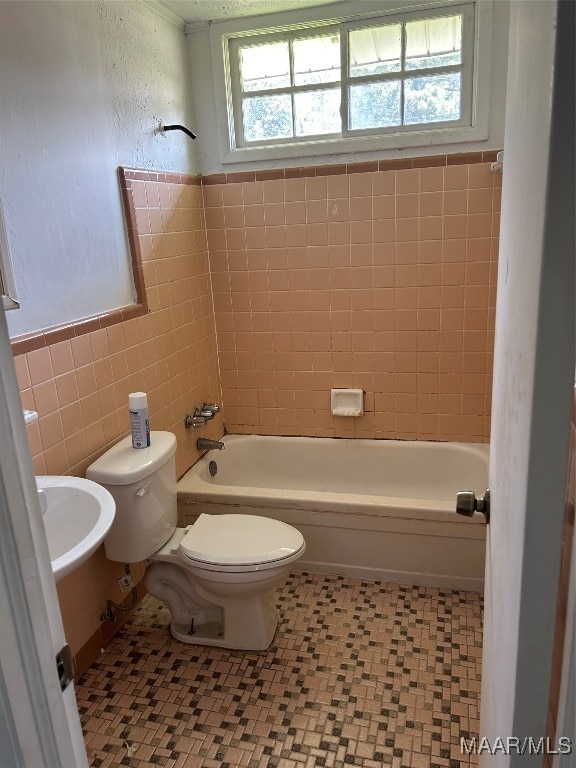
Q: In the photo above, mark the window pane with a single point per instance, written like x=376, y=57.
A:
x=316, y=60
x=429, y=99
x=264, y=66
x=375, y=50
x=317, y=112
x=434, y=42
x=267, y=117
x=374, y=105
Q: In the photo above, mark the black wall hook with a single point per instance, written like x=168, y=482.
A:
x=179, y=128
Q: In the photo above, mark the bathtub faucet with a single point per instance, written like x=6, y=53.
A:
x=204, y=444
x=201, y=415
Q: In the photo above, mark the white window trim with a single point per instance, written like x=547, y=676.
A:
x=418, y=137
x=7, y=282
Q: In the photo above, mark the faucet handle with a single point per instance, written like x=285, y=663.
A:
x=195, y=419
x=201, y=415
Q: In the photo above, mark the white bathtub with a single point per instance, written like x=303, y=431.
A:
x=379, y=509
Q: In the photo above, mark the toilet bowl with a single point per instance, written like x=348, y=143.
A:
x=217, y=576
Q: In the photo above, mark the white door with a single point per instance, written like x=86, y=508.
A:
x=533, y=377
x=39, y=724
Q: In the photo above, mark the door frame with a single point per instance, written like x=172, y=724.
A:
x=40, y=723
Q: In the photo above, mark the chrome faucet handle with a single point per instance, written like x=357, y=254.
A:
x=195, y=419
x=201, y=415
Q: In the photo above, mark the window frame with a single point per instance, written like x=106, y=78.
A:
x=343, y=30
x=415, y=136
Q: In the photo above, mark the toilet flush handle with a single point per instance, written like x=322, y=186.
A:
x=144, y=490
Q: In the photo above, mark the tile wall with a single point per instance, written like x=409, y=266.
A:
x=79, y=386
x=264, y=291
x=374, y=276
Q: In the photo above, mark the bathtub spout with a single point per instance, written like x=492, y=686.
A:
x=204, y=444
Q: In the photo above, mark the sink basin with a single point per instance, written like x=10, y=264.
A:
x=77, y=515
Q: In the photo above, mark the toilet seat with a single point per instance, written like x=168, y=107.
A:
x=240, y=543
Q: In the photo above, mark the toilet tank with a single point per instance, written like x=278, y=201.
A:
x=143, y=484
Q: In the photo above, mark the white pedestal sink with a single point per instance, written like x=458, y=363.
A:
x=77, y=515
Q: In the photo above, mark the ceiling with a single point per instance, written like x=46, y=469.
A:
x=214, y=10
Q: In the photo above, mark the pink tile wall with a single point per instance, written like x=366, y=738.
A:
x=379, y=279
x=80, y=386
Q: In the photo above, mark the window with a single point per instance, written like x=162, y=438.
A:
x=288, y=87
x=7, y=285
x=388, y=75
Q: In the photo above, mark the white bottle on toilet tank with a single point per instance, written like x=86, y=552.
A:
x=139, y=422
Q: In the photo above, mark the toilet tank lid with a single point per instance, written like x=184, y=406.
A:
x=122, y=464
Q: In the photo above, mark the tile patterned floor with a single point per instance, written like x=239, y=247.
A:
x=360, y=673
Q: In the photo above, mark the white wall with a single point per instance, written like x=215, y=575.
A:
x=145, y=62
x=207, y=87
x=83, y=86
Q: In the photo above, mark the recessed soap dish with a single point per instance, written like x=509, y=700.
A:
x=347, y=402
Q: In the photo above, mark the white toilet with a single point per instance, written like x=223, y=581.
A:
x=216, y=576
